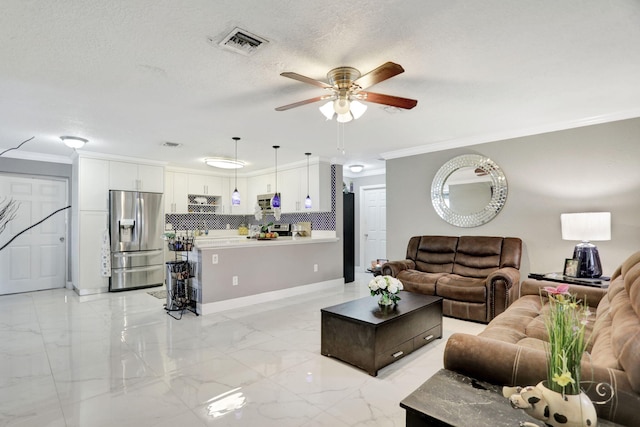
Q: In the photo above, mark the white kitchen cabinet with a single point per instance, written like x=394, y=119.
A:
x=319, y=187
x=93, y=184
x=289, y=187
x=246, y=203
x=136, y=177
x=175, y=192
x=88, y=260
x=207, y=185
x=294, y=188
x=259, y=184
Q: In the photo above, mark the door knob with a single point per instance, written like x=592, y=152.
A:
x=62, y=239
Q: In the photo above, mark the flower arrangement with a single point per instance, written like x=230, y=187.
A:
x=565, y=324
x=387, y=287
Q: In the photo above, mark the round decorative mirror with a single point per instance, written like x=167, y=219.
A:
x=469, y=190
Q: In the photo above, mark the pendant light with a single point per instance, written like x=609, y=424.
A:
x=235, y=196
x=307, y=201
x=275, y=200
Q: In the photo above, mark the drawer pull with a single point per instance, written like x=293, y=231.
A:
x=428, y=337
x=398, y=353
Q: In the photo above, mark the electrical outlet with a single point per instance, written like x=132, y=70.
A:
x=235, y=280
x=214, y=258
x=315, y=268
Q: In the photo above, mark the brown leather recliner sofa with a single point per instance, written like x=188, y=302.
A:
x=511, y=350
x=475, y=275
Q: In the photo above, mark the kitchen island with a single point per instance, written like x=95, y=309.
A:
x=233, y=271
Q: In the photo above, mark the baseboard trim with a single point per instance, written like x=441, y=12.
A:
x=230, y=304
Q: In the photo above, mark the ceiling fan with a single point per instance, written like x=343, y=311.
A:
x=346, y=88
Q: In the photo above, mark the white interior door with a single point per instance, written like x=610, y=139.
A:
x=374, y=224
x=36, y=259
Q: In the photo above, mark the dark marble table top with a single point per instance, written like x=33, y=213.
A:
x=452, y=399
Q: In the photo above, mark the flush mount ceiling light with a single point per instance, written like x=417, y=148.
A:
x=222, y=163
x=356, y=168
x=74, y=141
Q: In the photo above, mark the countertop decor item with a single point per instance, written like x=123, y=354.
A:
x=387, y=287
x=559, y=401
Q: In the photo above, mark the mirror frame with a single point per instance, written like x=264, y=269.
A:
x=498, y=186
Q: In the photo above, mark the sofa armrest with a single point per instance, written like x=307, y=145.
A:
x=591, y=294
x=503, y=363
x=502, y=287
x=510, y=276
x=392, y=268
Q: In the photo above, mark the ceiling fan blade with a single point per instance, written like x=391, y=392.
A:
x=299, y=103
x=383, y=72
x=394, y=101
x=304, y=79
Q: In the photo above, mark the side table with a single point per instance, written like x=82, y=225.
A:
x=452, y=399
x=601, y=282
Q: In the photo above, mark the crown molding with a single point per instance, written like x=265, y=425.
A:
x=38, y=157
x=510, y=134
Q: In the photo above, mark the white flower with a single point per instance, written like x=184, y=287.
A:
x=381, y=284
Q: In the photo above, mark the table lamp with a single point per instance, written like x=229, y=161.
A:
x=585, y=227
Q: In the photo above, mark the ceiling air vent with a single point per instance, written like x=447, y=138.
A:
x=242, y=41
x=171, y=144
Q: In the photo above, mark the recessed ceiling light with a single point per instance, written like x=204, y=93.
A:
x=222, y=163
x=74, y=141
x=356, y=168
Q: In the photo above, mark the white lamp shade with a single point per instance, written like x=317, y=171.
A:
x=344, y=118
x=586, y=226
x=357, y=109
x=327, y=110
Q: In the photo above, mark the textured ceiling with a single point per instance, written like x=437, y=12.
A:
x=130, y=75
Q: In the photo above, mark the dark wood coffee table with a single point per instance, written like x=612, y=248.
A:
x=362, y=334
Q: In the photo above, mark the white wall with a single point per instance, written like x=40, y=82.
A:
x=588, y=169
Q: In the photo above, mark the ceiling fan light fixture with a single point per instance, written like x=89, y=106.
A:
x=341, y=105
x=344, y=118
x=357, y=109
x=327, y=110
x=222, y=163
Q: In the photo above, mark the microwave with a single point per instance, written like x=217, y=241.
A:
x=264, y=201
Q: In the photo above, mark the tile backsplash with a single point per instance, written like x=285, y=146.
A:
x=204, y=221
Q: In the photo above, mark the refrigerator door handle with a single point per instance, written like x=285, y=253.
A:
x=135, y=254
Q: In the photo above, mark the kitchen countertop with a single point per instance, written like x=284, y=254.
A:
x=208, y=242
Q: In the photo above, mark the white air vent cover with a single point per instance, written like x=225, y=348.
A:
x=171, y=144
x=242, y=41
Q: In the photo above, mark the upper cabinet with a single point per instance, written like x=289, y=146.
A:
x=296, y=186
x=136, y=177
x=93, y=184
x=292, y=186
x=175, y=192
x=206, y=185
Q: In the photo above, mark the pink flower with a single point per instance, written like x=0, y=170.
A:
x=559, y=290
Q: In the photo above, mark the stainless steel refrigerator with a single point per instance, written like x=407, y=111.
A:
x=136, y=227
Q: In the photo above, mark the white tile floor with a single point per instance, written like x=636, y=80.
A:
x=118, y=360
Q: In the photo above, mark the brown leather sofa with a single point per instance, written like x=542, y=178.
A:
x=475, y=275
x=511, y=350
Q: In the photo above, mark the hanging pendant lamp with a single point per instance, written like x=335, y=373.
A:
x=307, y=201
x=235, y=196
x=275, y=200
